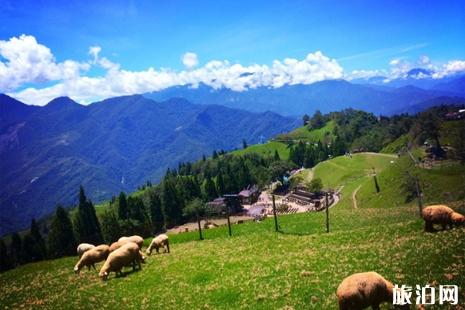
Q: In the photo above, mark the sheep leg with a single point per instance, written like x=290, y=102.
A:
x=93, y=265
x=168, y=246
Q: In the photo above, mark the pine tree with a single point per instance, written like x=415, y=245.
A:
x=61, y=240
x=171, y=203
x=15, y=249
x=110, y=227
x=40, y=250
x=157, y=217
x=123, y=206
x=5, y=261
x=27, y=249
x=209, y=189
x=86, y=224
x=220, y=187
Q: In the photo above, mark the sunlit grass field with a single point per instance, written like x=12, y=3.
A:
x=298, y=267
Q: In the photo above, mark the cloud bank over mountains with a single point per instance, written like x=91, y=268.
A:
x=29, y=72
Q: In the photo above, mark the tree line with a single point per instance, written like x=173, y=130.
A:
x=152, y=210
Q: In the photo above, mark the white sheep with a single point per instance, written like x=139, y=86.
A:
x=443, y=215
x=158, y=242
x=83, y=247
x=128, y=254
x=362, y=290
x=92, y=256
x=136, y=239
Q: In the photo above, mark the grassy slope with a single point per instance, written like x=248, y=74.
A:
x=258, y=268
x=303, y=133
x=266, y=149
x=396, y=145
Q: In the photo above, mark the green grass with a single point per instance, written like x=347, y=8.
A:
x=311, y=135
x=344, y=170
x=257, y=268
x=266, y=149
x=396, y=145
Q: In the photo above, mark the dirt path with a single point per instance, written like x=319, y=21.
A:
x=354, y=199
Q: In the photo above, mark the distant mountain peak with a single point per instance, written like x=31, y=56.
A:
x=62, y=102
x=419, y=73
x=6, y=101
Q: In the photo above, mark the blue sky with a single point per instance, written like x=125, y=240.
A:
x=359, y=35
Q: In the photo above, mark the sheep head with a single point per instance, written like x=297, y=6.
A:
x=458, y=219
x=103, y=275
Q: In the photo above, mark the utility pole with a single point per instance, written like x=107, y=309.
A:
x=275, y=217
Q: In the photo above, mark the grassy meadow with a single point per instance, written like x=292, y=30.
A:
x=299, y=267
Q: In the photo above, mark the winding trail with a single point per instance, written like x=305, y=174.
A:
x=354, y=199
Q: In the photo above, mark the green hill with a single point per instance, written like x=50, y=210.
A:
x=311, y=135
x=298, y=268
x=266, y=149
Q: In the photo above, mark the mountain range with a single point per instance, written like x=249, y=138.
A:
x=109, y=146
x=371, y=95
x=120, y=143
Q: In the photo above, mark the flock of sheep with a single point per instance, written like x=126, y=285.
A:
x=124, y=252
x=362, y=290
x=357, y=291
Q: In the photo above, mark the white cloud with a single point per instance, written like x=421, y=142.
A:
x=94, y=51
x=27, y=61
x=364, y=74
x=449, y=68
x=190, y=60
x=116, y=81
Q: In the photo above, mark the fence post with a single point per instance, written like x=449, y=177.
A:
x=327, y=212
x=229, y=224
x=200, y=228
x=274, y=214
x=420, y=201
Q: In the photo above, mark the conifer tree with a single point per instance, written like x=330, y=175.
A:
x=122, y=207
x=5, y=260
x=157, y=217
x=15, y=249
x=111, y=229
x=86, y=224
x=220, y=187
x=61, y=240
x=209, y=189
x=33, y=247
x=171, y=203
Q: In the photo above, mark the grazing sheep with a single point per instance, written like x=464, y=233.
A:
x=158, y=242
x=209, y=225
x=442, y=215
x=123, y=240
x=361, y=290
x=128, y=254
x=136, y=239
x=92, y=256
x=83, y=247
